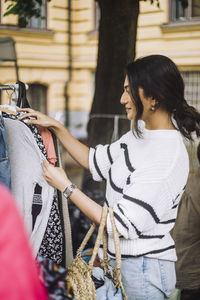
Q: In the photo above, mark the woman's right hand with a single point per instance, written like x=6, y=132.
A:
x=37, y=118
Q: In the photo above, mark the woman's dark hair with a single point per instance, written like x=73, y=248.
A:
x=160, y=79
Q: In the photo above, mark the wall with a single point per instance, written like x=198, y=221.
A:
x=42, y=53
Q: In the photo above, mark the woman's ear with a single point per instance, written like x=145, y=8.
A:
x=154, y=104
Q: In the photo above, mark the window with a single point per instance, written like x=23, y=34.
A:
x=179, y=14
x=35, y=23
x=37, y=97
x=192, y=95
x=41, y=22
x=192, y=88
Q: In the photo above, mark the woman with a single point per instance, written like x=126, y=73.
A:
x=146, y=172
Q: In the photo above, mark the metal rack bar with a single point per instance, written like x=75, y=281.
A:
x=11, y=86
x=7, y=87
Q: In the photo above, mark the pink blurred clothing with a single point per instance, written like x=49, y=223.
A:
x=48, y=144
x=19, y=276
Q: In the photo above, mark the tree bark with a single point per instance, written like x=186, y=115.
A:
x=117, y=41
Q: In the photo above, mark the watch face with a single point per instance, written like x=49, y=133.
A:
x=67, y=192
x=70, y=188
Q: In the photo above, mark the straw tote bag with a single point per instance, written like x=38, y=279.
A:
x=80, y=273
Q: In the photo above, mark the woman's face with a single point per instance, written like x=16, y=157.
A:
x=127, y=101
x=130, y=106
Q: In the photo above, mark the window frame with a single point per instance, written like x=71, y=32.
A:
x=187, y=18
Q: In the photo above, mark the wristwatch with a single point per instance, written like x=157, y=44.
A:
x=67, y=192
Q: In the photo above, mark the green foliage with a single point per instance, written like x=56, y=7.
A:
x=153, y=1
x=183, y=2
x=25, y=9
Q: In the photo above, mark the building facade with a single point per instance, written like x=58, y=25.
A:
x=42, y=54
x=57, y=53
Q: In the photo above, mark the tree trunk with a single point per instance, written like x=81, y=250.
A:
x=117, y=40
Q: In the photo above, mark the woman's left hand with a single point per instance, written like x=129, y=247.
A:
x=55, y=176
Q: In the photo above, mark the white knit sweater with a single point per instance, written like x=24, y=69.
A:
x=145, y=180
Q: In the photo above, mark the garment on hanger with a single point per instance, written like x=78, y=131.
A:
x=4, y=160
x=22, y=100
x=48, y=143
x=52, y=243
x=56, y=242
x=26, y=172
x=33, y=128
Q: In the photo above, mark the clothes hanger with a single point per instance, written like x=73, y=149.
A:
x=11, y=107
x=17, y=97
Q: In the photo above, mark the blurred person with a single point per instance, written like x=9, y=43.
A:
x=146, y=172
x=19, y=276
x=186, y=234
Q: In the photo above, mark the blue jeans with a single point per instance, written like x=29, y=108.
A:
x=5, y=176
x=107, y=291
x=147, y=278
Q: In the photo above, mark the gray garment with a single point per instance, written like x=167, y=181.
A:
x=4, y=160
x=26, y=171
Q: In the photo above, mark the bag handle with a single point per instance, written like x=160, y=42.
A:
x=86, y=239
x=117, y=253
x=116, y=240
x=90, y=232
x=99, y=236
x=102, y=234
x=116, y=270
